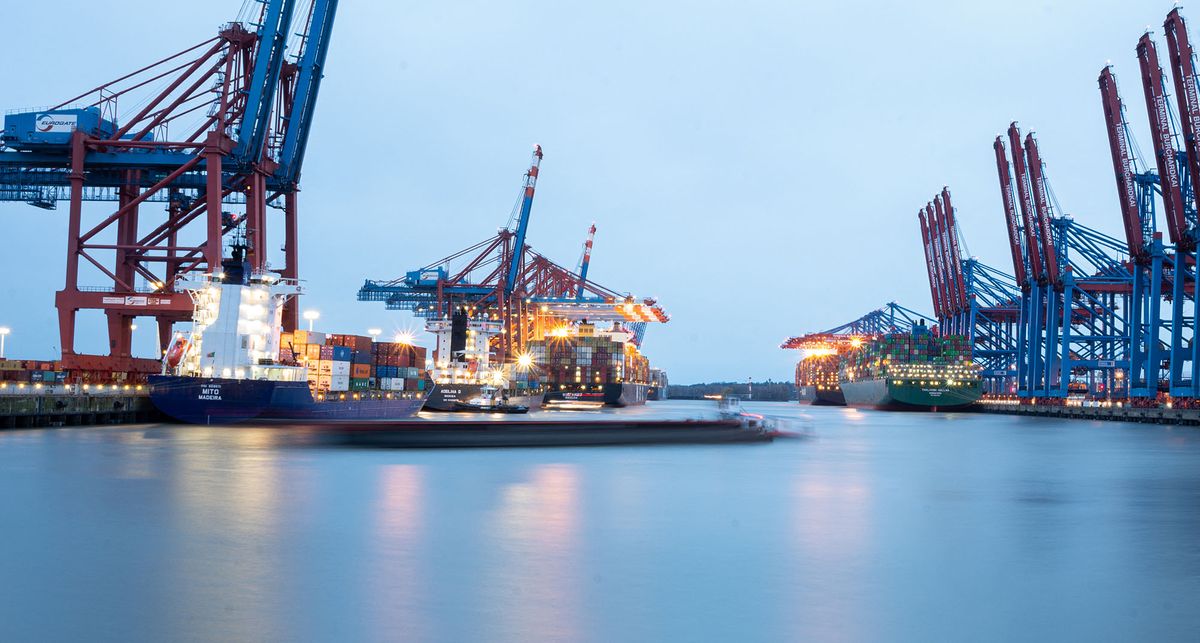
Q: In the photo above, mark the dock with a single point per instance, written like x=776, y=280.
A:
x=72, y=406
x=1109, y=411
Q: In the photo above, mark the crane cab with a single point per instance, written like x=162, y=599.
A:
x=50, y=129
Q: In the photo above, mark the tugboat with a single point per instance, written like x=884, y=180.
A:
x=490, y=400
x=227, y=369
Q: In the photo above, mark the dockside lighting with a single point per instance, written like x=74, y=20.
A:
x=311, y=316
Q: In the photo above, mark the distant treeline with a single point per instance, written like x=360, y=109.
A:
x=769, y=390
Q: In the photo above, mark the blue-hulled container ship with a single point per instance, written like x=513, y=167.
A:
x=231, y=367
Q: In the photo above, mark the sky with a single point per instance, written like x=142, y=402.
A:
x=755, y=165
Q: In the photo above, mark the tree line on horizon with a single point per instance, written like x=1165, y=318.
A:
x=768, y=391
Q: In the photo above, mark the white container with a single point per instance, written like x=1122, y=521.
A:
x=339, y=383
x=341, y=368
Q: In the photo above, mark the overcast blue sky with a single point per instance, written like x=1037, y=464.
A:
x=756, y=165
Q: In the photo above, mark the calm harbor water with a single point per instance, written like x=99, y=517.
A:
x=878, y=527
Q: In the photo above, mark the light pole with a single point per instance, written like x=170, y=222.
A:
x=374, y=333
x=4, y=331
x=311, y=316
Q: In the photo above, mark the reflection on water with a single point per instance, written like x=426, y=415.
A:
x=398, y=585
x=530, y=583
x=883, y=527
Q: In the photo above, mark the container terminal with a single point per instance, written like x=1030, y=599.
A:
x=185, y=180
x=509, y=318
x=1085, y=324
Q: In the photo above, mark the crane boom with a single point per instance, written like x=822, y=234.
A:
x=518, y=248
x=1164, y=145
x=1183, y=69
x=268, y=64
x=928, y=246
x=941, y=204
x=1118, y=142
x=1010, y=213
x=586, y=261
x=939, y=260
x=310, y=69
x=1041, y=204
x=1032, y=243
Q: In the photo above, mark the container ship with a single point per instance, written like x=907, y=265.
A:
x=817, y=380
x=916, y=371
x=234, y=366
x=467, y=379
x=658, y=385
x=585, y=366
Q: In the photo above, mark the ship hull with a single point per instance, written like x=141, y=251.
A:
x=829, y=396
x=806, y=394
x=450, y=397
x=883, y=394
x=617, y=394
x=821, y=395
x=200, y=400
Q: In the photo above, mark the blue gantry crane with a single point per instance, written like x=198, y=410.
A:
x=1075, y=287
x=887, y=319
x=970, y=298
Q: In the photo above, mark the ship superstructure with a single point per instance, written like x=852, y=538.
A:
x=236, y=325
x=464, y=368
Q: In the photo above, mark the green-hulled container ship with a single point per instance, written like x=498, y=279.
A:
x=915, y=371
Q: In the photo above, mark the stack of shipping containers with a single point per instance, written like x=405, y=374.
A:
x=30, y=371
x=341, y=363
x=588, y=359
x=910, y=348
x=820, y=371
x=399, y=367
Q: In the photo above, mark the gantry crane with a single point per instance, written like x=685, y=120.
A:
x=970, y=298
x=1072, y=327
x=888, y=319
x=216, y=134
x=503, y=279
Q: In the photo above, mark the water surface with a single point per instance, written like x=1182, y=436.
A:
x=880, y=527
